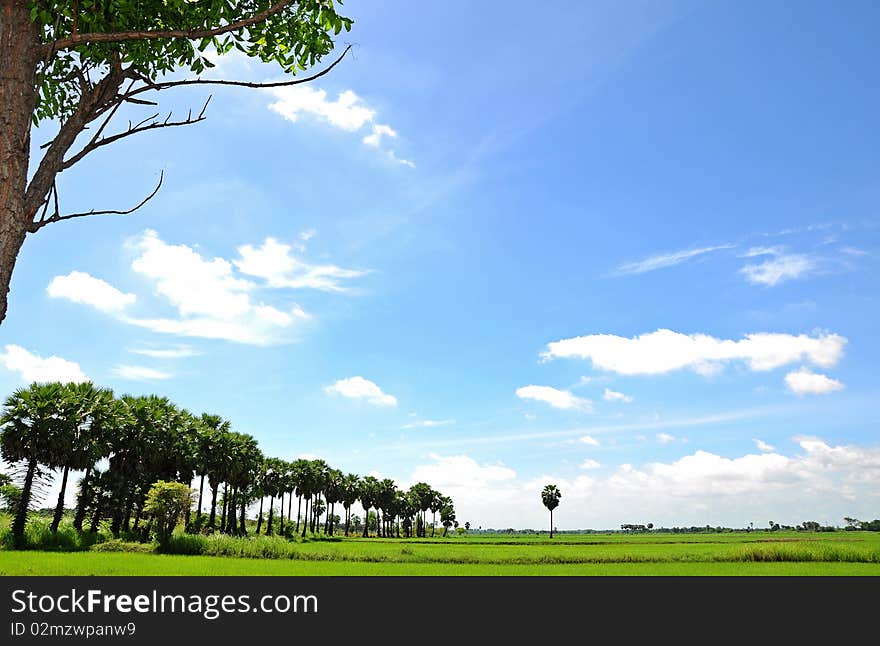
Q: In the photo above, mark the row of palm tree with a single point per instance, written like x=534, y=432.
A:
x=125, y=444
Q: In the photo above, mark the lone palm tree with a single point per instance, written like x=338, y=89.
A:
x=550, y=497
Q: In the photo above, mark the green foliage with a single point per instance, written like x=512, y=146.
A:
x=166, y=503
x=38, y=535
x=10, y=497
x=295, y=38
x=550, y=496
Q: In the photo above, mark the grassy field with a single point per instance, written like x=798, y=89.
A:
x=755, y=553
x=113, y=564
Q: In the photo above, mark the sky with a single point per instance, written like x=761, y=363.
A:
x=630, y=249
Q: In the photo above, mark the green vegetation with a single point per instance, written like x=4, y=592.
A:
x=550, y=497
x=67, y=551
x=91, y=563
x=145, y=441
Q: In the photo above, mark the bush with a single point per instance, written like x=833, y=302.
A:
x=116, y=545
x=166, y=503
x=38, y=535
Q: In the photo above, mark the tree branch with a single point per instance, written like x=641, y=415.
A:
x=151, y=85
x=118, y=37
x=96, y=143
x=36, y=226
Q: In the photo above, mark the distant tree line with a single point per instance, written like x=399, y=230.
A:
x=124, y=445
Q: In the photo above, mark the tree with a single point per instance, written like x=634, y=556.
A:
x=166, y=503
x=550, y=497
x=76, y=63
x=29, y=422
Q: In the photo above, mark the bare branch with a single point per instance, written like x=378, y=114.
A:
x=96, y=143
x=151, y=85
x=118, y=37
x=58, y=218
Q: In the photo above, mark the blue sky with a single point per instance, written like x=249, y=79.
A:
x=630, y=248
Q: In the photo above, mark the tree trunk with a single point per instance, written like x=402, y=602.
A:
x=260, y=516
x=271, y=509
x=59, y=508
x=242, y=519
x=199, y=513
x=96, y=518
x=82, y=501
x=213, y=516
x=21, y=514
x=19, y=51
x=306, y=519
x=551, y=523
x=366, y=520
x=225, y=503
x=281, y=514
x=299, y=500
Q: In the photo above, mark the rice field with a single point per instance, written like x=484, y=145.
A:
x=750, y=553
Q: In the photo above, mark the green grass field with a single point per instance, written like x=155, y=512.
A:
x=731, y=554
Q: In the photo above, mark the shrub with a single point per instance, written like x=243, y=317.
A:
x=166, y=503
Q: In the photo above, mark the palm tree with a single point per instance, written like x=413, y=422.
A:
x=367, y=494
x=87, y=415
x=30, y=423
x=209, y=429
x=550, y=497
x=350, y=487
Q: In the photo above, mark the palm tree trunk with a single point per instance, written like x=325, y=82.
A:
x=299, y=500
x=21, y=514
x=260, y=517
x=289, y=507
x=551, y=523
x=199, y=513
x=213, y=516
x=96, y=517
x=59, y=508
x=223, y=510
x=82, y=501
x=281, y=514
x=271, y=509
x=366, y=520
x=241, y=519
x=305, y=520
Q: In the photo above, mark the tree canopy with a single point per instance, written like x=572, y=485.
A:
x=75, y=63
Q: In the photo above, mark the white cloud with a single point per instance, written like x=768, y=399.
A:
x=754, y=252
x=400, y=160
x=379, y=130
x=360, y=388
x=778, y=269
x=347, y=112
x=274, y=262
x=613, y=396
x=429, y=423
x=140, y=373
x=806, y=382
x=589, y=440
x=307, y=235
x=80, y=287
x=665, y=351
x=661, y=261
x=763, y=446
x=180, y=352
x=590, y=464
x=211, y=300
x=32, y=367
x=665, y=438
x=821, y=482
x=458, y=473
x=854, y=251
x=562, y=399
